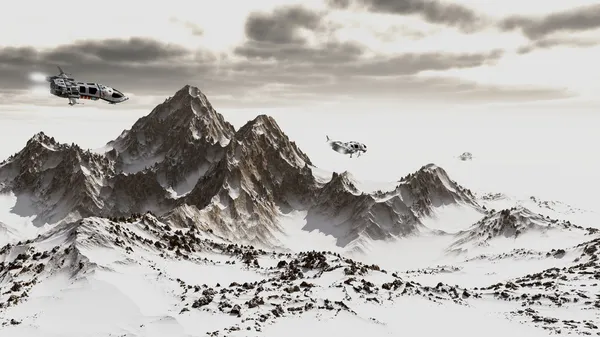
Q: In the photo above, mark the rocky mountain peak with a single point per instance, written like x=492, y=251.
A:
x=185, y=124
x=512, y=223
x=43, y=153
x=340, y=192
x=260, y=163
x=40, y=142
x=262, y=173
x=341, y=183
x=431, y=187
x=183, y=98
x=58, y=179
x=262, y=149
x=264, y=133
x=179, y=140
x=41, y=137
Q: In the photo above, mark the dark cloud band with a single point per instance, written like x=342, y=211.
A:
x=281, y=26
x=578, y=19
x=432, y=11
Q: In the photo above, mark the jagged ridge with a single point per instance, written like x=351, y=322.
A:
x=238, y=183
x=65, y=182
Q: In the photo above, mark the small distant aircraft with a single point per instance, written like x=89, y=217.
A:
x=350, y=148
x=63, y=86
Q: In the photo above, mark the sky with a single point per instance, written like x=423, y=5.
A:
x=514, y=81
x=272, y=53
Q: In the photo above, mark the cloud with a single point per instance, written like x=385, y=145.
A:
x=392, y=33
x=282, y=25
x=195, y=29
x=432, y=11
x=133, y=62
x=137, y=50
x=575, y=20
x=342, y=62
x=410, y=64
x=547, y=43
x=274, y=44
x=279, y=64
x=437, y=89
x=116, y=52
x=297, y=53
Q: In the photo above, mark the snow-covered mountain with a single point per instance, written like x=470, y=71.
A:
x=57, y=182
x=189, y=166
x=261, y=173
x=517, y=223
x=185, y=226
x=180, y=139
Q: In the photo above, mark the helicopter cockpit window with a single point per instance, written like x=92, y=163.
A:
x=117, y=94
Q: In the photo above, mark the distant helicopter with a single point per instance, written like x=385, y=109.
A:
x=63, y=86
x=350, y=147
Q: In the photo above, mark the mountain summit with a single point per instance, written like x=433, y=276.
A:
x=180, y=139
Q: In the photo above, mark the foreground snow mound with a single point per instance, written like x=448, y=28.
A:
x=134, y=273
x=142, y=276
x=555, y=289
x=558, y=299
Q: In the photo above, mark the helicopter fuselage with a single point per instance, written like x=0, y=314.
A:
x=66, y=87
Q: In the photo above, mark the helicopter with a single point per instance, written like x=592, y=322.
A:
x=350, y=147
x=64, y=86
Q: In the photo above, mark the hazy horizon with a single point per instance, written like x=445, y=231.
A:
x=514, y=153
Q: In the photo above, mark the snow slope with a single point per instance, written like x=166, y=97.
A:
x=139, y=278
